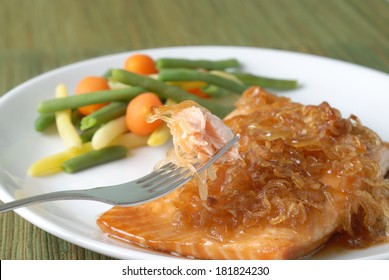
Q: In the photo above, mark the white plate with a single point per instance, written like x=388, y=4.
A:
x=350, y=88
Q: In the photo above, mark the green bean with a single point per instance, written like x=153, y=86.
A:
x=200, y=63
x=218, y=107
x=216, y=91
x=87, y=134
x=251, y=80
x=104, y=115
x=75, y=101
x=76, y=118
x=173, y=75
x=94, y=158
x=107, y=74
x=44, y=121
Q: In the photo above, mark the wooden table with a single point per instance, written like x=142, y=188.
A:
x=37, y=36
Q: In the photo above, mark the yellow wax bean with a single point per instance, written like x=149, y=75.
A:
x=129, y=140
x=52, y=164
x=159, y=136
x=105, y=134
x=63, y=120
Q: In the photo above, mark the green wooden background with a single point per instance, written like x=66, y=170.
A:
x=40, y=35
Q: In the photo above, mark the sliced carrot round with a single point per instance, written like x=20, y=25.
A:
x=140, y=64
x=137, y=112
x=88, y=85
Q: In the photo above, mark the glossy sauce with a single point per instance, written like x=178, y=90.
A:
x=293, y=158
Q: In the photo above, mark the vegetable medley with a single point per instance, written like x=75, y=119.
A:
x=108, y=115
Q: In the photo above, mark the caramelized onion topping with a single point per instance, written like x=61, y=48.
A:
x=294, y=160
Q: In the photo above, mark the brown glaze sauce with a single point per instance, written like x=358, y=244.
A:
x=294, y=159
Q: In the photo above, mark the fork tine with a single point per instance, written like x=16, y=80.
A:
x=176, y=180
x=155, y=173
x=165, y=177
x=162, y=177
x=169, y=187
x=169, y=180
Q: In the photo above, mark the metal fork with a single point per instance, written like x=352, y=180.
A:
x=152, y=186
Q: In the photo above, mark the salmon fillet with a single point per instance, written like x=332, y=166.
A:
x=303, y=173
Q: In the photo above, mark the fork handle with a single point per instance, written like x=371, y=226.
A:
x=60, y=195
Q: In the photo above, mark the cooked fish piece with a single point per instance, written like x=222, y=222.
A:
x=197, y=136
x=303, y=174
